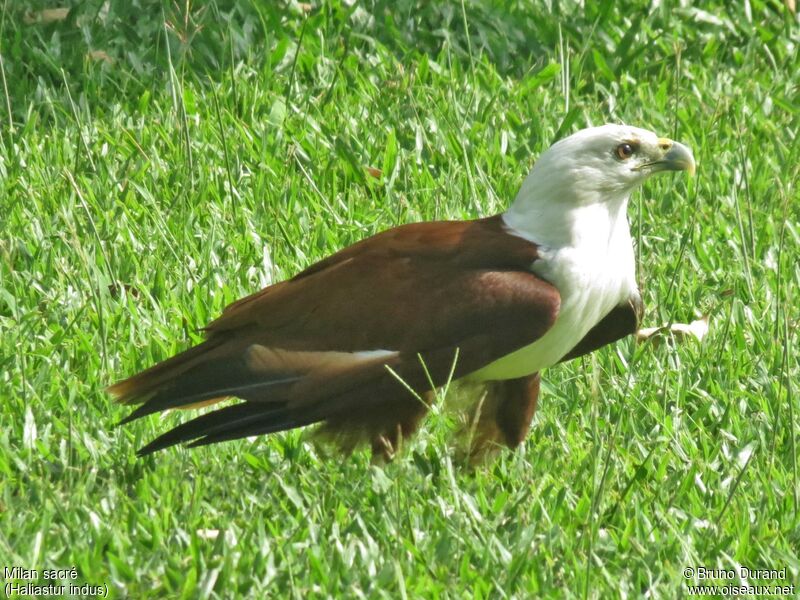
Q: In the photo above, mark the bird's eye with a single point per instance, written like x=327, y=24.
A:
x=624, y=151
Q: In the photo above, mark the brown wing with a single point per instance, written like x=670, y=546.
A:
x=333, y=343
x=621, y=321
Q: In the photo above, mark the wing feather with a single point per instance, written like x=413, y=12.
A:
x=330, y=344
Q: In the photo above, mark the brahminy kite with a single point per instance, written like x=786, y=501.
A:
x=359, y=341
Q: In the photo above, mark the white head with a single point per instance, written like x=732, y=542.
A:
x=591, y=172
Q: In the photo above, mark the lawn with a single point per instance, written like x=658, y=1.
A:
x=159, y=160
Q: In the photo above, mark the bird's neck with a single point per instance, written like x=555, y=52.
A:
x=593, y=225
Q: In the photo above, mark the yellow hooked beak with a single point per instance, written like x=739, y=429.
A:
x=675, y=157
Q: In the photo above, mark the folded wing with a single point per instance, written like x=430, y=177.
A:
x=346, y=341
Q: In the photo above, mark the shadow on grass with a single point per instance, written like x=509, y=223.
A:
x=111, y=53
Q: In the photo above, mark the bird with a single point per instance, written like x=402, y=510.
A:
x=359, y=342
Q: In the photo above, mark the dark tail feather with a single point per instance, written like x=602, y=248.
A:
x=230, y=423
x=271, y=424
x=202, y=425
x=175, y=396
x=136, y=388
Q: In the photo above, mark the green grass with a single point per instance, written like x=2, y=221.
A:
x=225, y=145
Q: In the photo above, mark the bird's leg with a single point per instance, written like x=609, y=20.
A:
x=383, y=450
x=503, y=415
x=388, y=443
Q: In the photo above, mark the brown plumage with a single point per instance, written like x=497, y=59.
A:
x=438, y=297
x=359, y=341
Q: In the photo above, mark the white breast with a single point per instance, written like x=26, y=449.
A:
x=592, y=277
